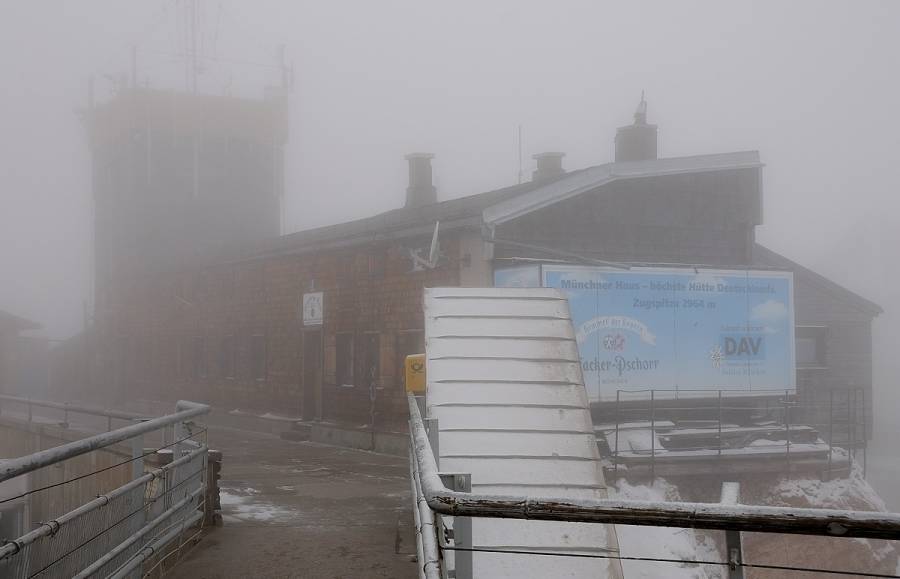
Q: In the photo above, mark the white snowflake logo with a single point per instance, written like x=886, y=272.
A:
x=716, y=356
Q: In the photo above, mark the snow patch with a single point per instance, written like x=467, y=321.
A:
x=852, y=493
x=662, y=542
x=238, y=505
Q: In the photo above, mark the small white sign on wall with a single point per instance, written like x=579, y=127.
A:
x=313, y=309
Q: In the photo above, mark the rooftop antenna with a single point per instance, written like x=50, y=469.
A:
x=520, y=154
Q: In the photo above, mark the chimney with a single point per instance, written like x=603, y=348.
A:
x=636, y=142
x=549, y=165
x=421, y=191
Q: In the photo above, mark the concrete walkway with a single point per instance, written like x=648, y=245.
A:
x=299, y=509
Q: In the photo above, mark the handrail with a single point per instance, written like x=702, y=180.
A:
x=50, y=528
x=18, y=466
x=91, y=410
x=806, y=521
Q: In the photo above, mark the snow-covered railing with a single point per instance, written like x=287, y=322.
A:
x=433, y=497
x=114, y=534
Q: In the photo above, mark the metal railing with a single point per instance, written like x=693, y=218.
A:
x=717, y=413
x=434, y=499
x=68, y=408
x=116, y=533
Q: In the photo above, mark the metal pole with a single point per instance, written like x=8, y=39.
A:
x=616, y=451
x=431, y=426
x=652, y=434
x=830, y=428
x=865, y=429
x=137, y=454
x=29, y=410
x=462, y=526
x=720, y=424
x=851, y=434
x=734, y=552
x=787, y=428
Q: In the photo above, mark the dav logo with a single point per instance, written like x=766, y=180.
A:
x=745, y=347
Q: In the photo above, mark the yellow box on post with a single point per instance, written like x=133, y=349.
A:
x=415, y=373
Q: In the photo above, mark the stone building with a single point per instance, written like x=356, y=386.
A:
x=233, y=329
x=22, y=357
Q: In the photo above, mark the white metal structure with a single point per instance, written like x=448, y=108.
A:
x=505, y=385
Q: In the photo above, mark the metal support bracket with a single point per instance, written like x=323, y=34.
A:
x=461, y=533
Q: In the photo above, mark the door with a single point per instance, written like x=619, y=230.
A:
x=312, y=374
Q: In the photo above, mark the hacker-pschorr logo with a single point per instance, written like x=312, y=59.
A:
x=614, y=342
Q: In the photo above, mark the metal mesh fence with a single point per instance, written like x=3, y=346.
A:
x=133, y=515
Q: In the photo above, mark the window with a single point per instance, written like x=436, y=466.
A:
x=810, y=346
x=258, y=357
x=343, y=372
x=227, y=283
x=369, y=358
x=227, y=357
x=199, y=368
x=408, y=342
x=377, y=263
x=345, y=267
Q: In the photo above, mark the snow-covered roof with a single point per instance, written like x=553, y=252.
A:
x=504, y=381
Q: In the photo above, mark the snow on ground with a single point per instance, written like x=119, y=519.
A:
x=239, y=505
x=639, y=440
x=852, y=493
x=846, y=493
x=662, y=542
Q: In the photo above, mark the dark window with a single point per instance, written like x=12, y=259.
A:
x=345, y=266
x=343, y=372
x=810, y=346
x=408, y=342
x=202, y=285
x=369, y=358
x=377, y=261
x=227, y=284
x=198, y=355
x=227, y=357
x=258, y=357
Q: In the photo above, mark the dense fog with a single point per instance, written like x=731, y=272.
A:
x=483, y=85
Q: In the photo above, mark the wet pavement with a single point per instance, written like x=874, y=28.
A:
x=299, y=509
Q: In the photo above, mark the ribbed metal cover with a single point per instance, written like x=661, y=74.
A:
x=505, y=383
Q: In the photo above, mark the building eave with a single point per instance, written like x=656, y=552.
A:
x=575, y=184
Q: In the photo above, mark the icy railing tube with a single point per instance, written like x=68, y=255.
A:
x=18, y=466
x=747, y=518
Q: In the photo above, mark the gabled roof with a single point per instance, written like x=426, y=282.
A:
x=494, y=207
x=11, y=323
x=580, y=182
x=765, y=257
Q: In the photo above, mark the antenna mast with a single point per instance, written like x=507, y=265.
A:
x=520, y=154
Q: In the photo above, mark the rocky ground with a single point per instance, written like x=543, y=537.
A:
x=298, y=509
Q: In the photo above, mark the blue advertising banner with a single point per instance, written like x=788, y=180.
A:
x=675, y=329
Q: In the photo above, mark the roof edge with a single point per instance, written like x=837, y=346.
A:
x=860, y=302
x=600, y=175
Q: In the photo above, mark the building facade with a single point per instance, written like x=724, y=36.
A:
x=233, y=329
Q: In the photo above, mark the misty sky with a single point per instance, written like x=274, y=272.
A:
x=812, y=85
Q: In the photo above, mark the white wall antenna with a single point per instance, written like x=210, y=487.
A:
x=420, y=263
